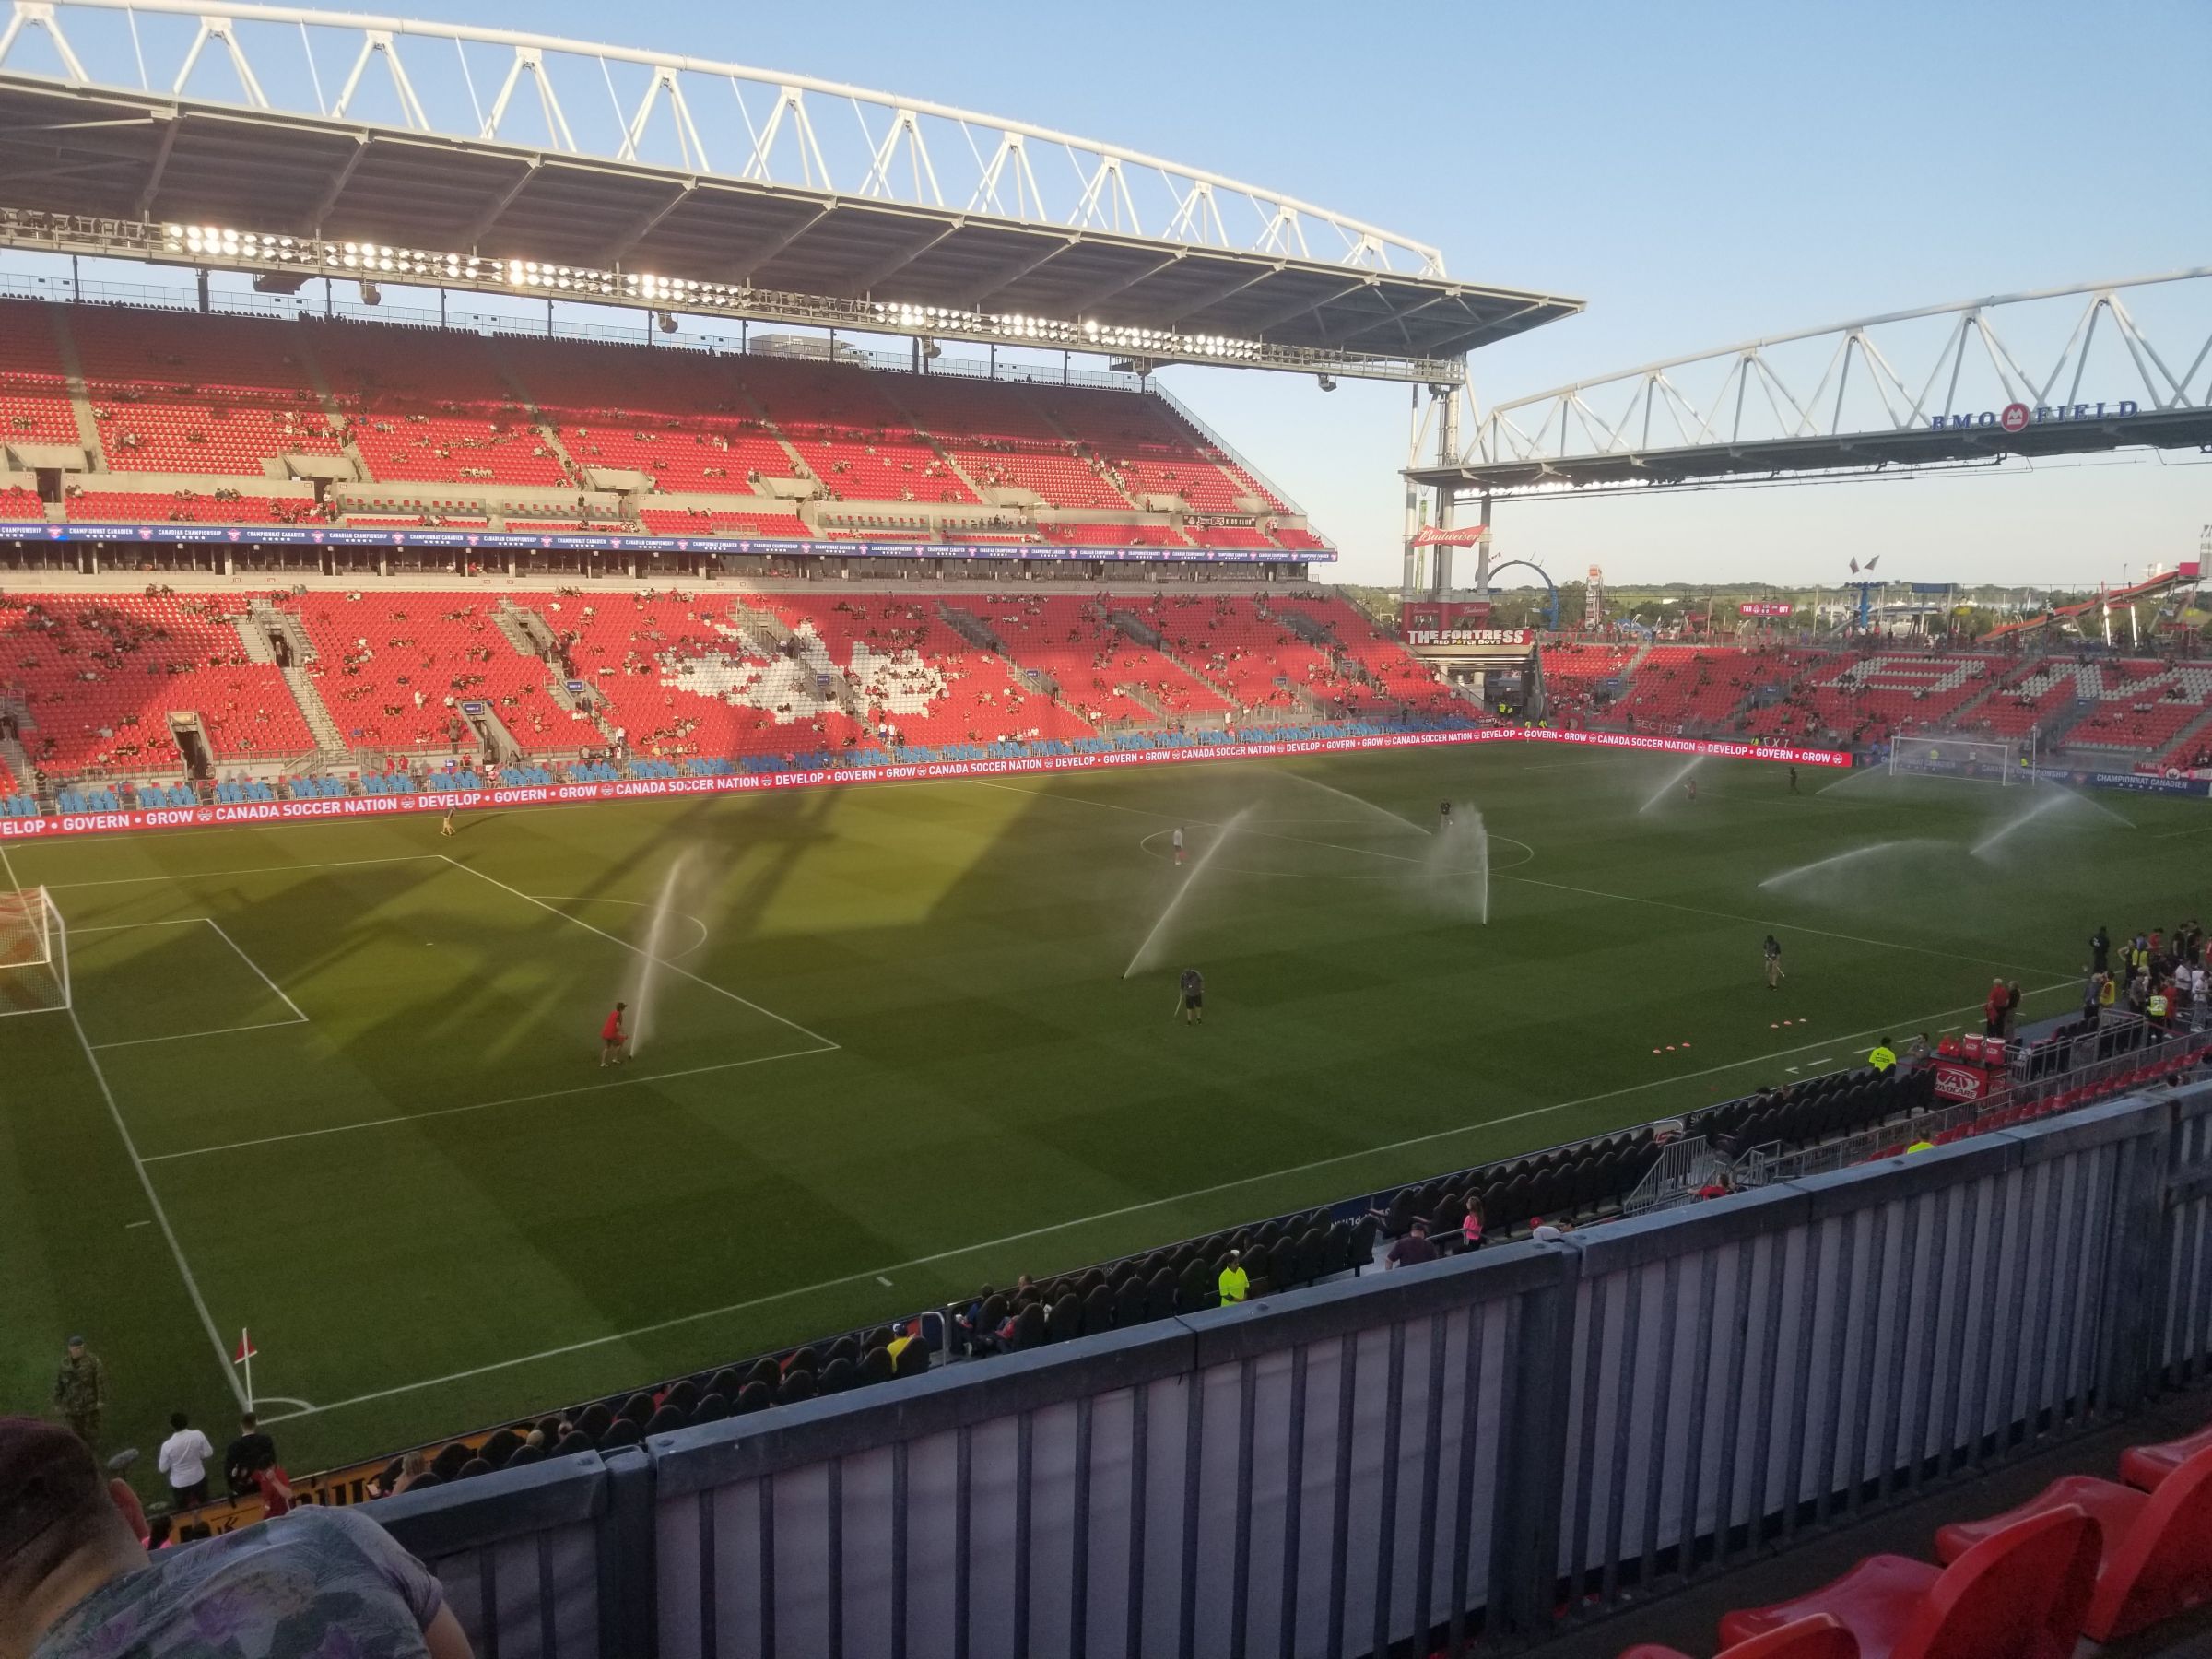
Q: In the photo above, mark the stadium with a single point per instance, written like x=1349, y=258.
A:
x=744, y=935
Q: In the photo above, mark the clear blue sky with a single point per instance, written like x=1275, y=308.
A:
x=1699, y=174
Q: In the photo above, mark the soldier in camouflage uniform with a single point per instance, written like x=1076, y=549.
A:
x=80, y=1392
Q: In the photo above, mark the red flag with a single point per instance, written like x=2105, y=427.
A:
x=246, y=1350
x=1854, y=567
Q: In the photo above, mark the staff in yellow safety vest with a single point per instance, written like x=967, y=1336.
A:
x=1234, y=1281
x=1882, y=1058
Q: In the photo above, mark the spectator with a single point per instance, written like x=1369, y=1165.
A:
x=2012, y=1009
x=276, y=1487
x=75, y=1582
x=1549, y=1232
x=157, y=1534
x=1470, y=1229
x=1234, y=1282
x=244, y=1455
x=1993, y=1010
x=80, y=1391
x=185, y=1457
x=1412, y=1250
x=1882, y=1058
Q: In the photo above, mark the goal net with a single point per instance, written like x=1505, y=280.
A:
x=1936, y=754
x=34, y=953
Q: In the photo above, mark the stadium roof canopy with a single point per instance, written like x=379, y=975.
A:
x=2058, y=371
x=640, y=162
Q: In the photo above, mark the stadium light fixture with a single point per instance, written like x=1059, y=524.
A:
x=257, y=252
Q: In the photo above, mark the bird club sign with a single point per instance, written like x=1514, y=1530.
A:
x=2019, y=416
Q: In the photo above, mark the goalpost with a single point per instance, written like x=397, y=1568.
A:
x=34, y=953
x=1938, y=755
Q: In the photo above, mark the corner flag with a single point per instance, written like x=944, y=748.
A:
x=245, y=1357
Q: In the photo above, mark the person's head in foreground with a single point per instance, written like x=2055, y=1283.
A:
x=75, y=1581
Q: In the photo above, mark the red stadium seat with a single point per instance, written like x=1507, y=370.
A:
x=2022, y=1593
x=1819, y=1637
x=2157, y=1547
x=2144, y=1467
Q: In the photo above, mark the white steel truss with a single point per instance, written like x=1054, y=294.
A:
x=712, y=118
x=2008, y=363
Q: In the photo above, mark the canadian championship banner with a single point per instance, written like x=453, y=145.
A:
x=268, y=812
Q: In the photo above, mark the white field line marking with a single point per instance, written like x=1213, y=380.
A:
x=127, y=926
x=1111, y=1215
x=1824, y=933
x=299, y=1014
x=264, y=1025
x=222, y=1354
x=416, y=1117
x=250, y=963
x=637, y=950
x=182, y=877
x=634, y=904
x=127, y=1226
x=1531, y=880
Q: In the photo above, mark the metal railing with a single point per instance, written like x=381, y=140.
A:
x=1473, y=1452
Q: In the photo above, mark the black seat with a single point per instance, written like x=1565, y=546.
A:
x=525, y=1456
x=712, y=1409
x=766, y=1373
x=802, y=1359
x=637, y=1409
x=726, y=1382
x=798, y=1385
x=472, y=1468
x=1129, y=1303
x=1098, y=1310
x=1029, y=1328
x=571, y=1445
x=446, y=1465
x=625, y=1432
x=846, y=1348
x=667, y=1419
x=1196, y=1290
x=875, y=1367
x=1159, y=1295
x=754, y=1397
x=839, y=1374
x=1065, y=1319
x=683, y=1395
x=913, y=1360
x=595, y=1420
x=500, y=1447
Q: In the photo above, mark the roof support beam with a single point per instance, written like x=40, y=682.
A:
x=885, y=269
x=337, y=187
x=1262, y=324
x=1395, y=320
x=999, y=281
x=1077, y=304
x=171, y=120
x=617, y=251
x=762, y=255
x=1240, y=281
x=505, y=199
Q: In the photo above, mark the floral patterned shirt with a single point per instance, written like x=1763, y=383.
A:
x=321, y=1584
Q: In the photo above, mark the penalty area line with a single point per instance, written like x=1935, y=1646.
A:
x=549, y=1094
x=1048, y=1230
x=638, y=950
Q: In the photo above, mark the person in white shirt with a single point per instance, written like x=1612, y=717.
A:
x=1178, y=843
x=185, y=1458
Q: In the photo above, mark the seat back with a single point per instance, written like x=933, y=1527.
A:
x=1820, y=1637
x=2020, y=1593
x=2164, y=1565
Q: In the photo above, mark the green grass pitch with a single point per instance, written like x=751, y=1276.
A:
x=339, y=1082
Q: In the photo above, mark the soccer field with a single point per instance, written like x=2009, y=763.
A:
x=339, y=1082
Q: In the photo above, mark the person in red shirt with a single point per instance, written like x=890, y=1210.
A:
x=611, y=1038
x=1992, y=1011
x=275, y=1490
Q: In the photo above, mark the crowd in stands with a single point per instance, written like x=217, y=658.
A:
x=227, y=398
